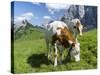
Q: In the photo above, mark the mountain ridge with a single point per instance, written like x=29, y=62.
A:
x=24, y=27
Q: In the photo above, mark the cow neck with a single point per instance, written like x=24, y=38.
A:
x=67, y=35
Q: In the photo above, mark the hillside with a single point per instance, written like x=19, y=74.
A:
x=24, y=29
x=30, y=54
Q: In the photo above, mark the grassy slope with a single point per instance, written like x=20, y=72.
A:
x=30, y=50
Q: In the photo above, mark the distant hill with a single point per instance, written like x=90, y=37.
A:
x=24, y=28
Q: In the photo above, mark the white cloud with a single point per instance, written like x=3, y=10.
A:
x=19, y=18
x=46, y=17
x=51, y=11
x=28, y=14
x=52, y=8
x=36, y=3
x=57, y=6
x=24, y=16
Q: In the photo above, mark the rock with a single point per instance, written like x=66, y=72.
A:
x=86, y=14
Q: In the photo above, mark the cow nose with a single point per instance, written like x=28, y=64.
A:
x=80, y=34
x=77, y=60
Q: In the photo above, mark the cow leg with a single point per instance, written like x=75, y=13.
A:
x=60, y=58
x=61, y=48
x=49, y=53
x=48, y=49
x=48, y=45
x=55, y=60
x=69, y=54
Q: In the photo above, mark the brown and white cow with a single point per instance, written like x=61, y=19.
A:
x=58, y=35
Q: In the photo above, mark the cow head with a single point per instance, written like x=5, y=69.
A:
x=75, y=51
x=79, y=27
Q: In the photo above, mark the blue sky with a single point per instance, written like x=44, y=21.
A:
x=38, y=13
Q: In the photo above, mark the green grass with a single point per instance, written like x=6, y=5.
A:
x=30, y=54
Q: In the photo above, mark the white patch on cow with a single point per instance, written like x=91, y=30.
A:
x=77, y=57
x=80, y=28
x=77, y=46
x=58, y=31
x=57, y=24
x=55, y=62
x=70, y=41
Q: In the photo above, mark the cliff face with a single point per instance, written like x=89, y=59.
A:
x=87, y=14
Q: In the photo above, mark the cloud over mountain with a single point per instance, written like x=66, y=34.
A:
x=46, y=17
x=52, y=8
x=27, y=16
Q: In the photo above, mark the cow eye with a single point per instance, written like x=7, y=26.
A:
x=74, y=26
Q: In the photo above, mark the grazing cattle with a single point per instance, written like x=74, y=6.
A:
x=58, y=36
x=75, y=26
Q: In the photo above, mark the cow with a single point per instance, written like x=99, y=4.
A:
x=58, y=36
x=75, y=26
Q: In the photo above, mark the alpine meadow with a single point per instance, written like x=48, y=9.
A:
x=30, y=54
